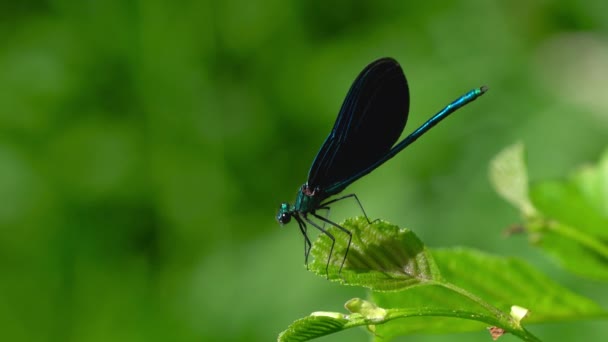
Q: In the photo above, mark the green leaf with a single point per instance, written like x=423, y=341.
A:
x=509, y=176
x=502, y=282
x=566, y=218
x=477, y=291
x=507, y=281
x=369, y=310
x=314, y=326
x=575, y=233
x=381, y=256
x=324, y=323
x=593, y=184
x=446, y=307
x=565, y=202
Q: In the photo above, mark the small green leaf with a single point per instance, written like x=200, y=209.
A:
x=313, y=326
x=509, y=176
x=518, y=313
x=368, y=310
x=381, y=257
x=323, y=323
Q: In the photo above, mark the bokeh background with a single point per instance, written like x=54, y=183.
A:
x=145, y=147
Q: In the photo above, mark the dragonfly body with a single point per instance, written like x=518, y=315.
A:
x=368, y=125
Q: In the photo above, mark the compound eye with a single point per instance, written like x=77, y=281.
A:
x=284, y=214
x=284, y=218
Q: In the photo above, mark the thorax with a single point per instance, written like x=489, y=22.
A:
x=308, y=199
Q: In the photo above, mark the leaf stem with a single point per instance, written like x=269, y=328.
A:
x=499, y=318
x=576, y=235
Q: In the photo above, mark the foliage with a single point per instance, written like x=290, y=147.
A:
x=145, y=147
x=406, y=280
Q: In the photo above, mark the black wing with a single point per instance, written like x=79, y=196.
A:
x=370, y=121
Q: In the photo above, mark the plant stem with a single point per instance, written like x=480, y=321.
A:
x=505, y=321
x=578, y=236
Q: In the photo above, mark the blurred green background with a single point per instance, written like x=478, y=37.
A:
x=145, y=147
